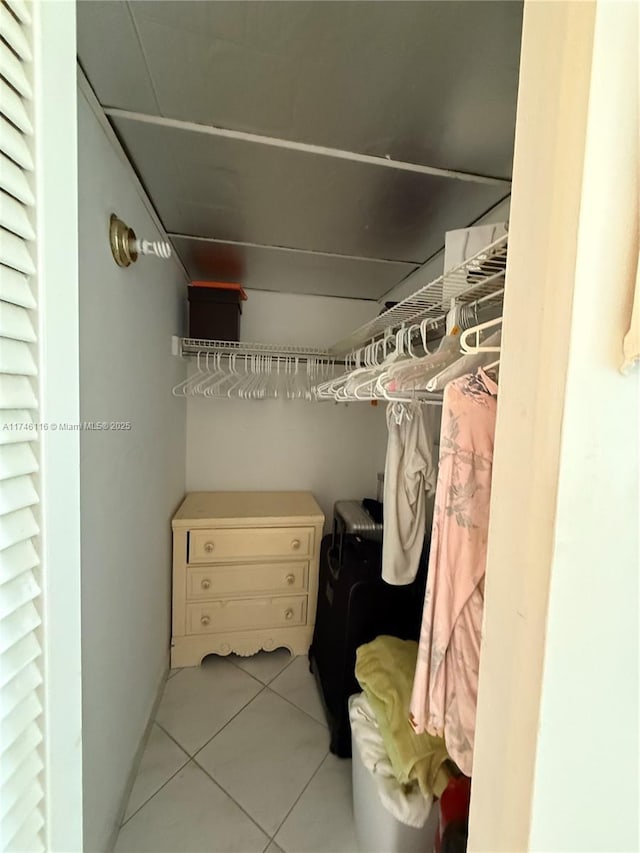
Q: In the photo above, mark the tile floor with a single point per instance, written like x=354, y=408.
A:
x=238, y=762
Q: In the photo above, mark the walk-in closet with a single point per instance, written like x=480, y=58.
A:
x=319, y=426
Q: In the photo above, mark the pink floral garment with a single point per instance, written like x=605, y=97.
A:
x=445, y=685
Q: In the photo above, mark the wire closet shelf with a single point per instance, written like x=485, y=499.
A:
x=478, y=280
x=254, y=370
x=193, y=346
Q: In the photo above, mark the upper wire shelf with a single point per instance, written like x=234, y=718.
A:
x=479, y=279
x=193, y=346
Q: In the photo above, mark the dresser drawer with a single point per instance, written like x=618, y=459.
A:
x=235, y=615
x=216, y=545
x=252, y=579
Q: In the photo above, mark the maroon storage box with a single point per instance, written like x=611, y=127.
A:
x=214, y=313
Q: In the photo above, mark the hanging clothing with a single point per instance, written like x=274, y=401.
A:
x=445, y=685
x=408, y=475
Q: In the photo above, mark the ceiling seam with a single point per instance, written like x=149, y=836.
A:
x=318, y=295
x=293, y=249
x=144, y=56
x=306, y=147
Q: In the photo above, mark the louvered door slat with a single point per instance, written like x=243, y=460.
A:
x=21, y=673
x=14, y=288
x=18, y=689
x=13, y=71
x=20, y=783
x=15, y=322
x=14, y=34
x=17, y=493
x=16, y=358
x=14, y=180
x=14, y=217
x=14, y=252
x=17, y=625
x=20, y=10
x=16, y=460
x=15, y=145
x=21, y=814
x=10, y=433
x=15, y=526
x=16, y=658
x=17, y=593
x=28, y=839
x=18, y=720
x=16, y=392
x=19, y=752
x=12, y=107
x=17, y=559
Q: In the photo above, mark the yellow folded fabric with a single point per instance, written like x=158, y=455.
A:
x=385, y=670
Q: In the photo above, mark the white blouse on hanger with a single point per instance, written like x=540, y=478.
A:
x=409, y=475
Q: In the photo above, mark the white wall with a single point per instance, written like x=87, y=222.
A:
x=131, y=481
x=333, y=450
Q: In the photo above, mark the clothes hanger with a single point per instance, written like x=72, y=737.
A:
x=475, y=331
x=180, y=390
x=464, y=364
x=413, y=375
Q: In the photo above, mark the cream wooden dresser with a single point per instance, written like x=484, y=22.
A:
x=245, y=573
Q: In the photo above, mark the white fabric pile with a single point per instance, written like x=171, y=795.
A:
x=406, y=803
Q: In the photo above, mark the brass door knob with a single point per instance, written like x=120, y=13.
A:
x=205, y=584
x=208, y=547
x=291, y=579
x=288, y=614
x=295, y=544
x=204, y=620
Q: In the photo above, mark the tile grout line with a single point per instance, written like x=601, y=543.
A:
x=191, y=759
x=266, y=683
x=233, y=800
x=166, y=782
x=265, y=687
x=171, y=737
x=230, y=720
x=297, y=707
x=313, y=776
x=284, y=668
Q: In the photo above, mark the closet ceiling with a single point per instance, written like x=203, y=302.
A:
x=428, y=84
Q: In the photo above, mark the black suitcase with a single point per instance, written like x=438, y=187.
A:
x=354, y=606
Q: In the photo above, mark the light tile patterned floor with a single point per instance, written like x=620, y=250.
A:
x=238, y=762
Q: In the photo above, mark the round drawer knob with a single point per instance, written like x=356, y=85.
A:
x=295, y=544
x=204, y=620
x=208, y=547
x=288, y=614
x=205, y=584
x=291, y=579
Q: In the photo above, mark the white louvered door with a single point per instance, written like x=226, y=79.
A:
x=21, y=666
